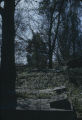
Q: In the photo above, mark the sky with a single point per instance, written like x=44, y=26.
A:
x=32, y=18
x=27, y=10
x=34, y=5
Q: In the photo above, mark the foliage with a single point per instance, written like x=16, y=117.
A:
x=51, y=10
x=68, y=36
x=37, y=52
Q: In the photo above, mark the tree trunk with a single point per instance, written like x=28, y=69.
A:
x=50, y=59
x=50, y=47
x=74, y=49
x=8, y=70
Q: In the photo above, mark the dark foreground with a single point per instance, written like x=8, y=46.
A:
x=36, y=115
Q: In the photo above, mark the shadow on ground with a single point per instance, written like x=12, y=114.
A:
x=36, y=115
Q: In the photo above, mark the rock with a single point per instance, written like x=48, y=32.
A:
x=61, y=104
x=60, y=89
x=60, y=97
x=46, y=91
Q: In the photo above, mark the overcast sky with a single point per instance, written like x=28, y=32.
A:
x=32, y=19
x=28, y=12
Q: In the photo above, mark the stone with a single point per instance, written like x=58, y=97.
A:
x=61, y=104
x=60, y=89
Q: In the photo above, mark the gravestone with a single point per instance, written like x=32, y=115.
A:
x=61, y=104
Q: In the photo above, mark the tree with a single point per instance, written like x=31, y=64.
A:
x=37, y=52
x=8, y=70
x=68, y=36
x=52, y=12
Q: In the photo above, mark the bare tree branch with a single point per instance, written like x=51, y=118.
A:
x=21, y=38
x=17, y=1
x=57, y=25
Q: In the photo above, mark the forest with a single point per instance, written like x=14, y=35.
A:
x=41, y=55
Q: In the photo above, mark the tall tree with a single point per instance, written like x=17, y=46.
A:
x=68, y=35
x=52, y=11
x=8, y=72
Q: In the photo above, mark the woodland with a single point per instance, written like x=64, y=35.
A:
x=40, y=54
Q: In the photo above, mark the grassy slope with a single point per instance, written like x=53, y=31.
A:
x=41, y=80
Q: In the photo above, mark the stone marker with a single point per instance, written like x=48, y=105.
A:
x=61, y=104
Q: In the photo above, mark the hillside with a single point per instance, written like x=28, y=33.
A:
x=37, y=88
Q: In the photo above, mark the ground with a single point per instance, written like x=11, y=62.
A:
x=36, y=89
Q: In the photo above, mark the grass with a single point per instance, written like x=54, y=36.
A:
x=45, y=80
